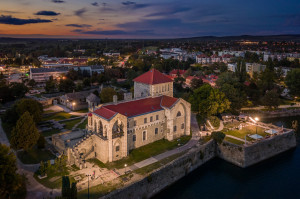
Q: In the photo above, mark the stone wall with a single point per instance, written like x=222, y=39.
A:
x=168, y=174
x=255, y=153
x=200, y=154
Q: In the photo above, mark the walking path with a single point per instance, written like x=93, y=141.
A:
x=297, y=105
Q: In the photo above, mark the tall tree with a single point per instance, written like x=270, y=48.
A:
x=65, y=189
x=292, y=80
x=107, y=94
x=32, y=106
x=25, y=135
x=12, y=185
x=271, y=99
x=73, y=194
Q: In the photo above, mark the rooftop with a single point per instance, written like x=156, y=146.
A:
x=136, y=107
x=153, y=76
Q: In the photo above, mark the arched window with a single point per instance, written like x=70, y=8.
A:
x=178, y=114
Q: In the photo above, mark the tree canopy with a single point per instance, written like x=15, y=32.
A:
x=292, y=80
x=25, y=135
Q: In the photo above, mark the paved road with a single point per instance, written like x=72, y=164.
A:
x=281, y=106
x=193, y=141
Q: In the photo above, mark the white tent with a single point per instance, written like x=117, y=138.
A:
x=271, y=131
x=255, y=136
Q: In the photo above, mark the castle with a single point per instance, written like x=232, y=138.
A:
x=118, y=127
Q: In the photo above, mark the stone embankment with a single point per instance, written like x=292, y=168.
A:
x=242, y=156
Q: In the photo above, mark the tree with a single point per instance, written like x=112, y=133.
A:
x=209, y=101
x=73, y=194
x=107, y=94
x=12, y=185
x=292, y=81
x=218, y=136
x=196, y=83
x=65, y=189
x=31, y=83
x=86, y=82
x=267, y=80
x=25, y=135
x=236, y=97
x=30, y=105
x=72, y=74
x=271, y=99
x=66, y=85
x=50, y=85
x=18, y=90
x=41, y=142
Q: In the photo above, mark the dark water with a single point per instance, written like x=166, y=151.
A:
x=276, y=178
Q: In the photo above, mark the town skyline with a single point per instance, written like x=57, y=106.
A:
x=146, y=20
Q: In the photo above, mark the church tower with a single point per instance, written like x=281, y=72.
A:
x=153, y=83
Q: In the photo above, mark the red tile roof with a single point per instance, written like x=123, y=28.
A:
x=177, y=71
x=153, y=76
x=136, y=107
x=214, y=56
x=202, y=56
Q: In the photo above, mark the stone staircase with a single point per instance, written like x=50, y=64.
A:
x=75, y=151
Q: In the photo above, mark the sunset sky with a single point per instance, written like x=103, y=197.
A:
x=147, y=18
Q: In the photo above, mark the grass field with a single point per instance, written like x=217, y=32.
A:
x=58, y=116
x=83, y=111
x=144, y=152
x=234, y=141
x=35, y=156
x=69, y=124
x=83, y=124
x=247, y=130
x=50, y=132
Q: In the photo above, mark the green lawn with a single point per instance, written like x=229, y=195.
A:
x=83, y=111
x=50, y=132
x=247, y=130
x=83, y=124
x=69, y=124
x=98, y=190
x=144, y=152
x=7, y=129
x=214, y=121
x=234, y=141
x=48, y=111
x=35, y=156
x=58, y=116
x=156, y=165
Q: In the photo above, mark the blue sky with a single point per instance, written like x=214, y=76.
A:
x=147, y=19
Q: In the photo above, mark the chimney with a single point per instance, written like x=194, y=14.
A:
x=128, y=96
x=115, y=99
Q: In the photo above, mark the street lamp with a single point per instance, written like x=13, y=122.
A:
x=74, y=103
x=256, y=119
x=125, y=168
x=88, y=185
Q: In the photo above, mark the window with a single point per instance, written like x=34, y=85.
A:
x=144, y=135
x=117, y=148
x=174, y=128
x=134, y=138
x=134, y=123
x=182, y=126
x=156, y=117
x=156, y=130
x=178, y=114
x=151, y=119
x=145, y=120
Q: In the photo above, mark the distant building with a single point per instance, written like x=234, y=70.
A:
x=112, y=54
x=252, y=68
x=76, y=100
x=41, y=75
x=177, y=72
x=231, y=67
x=202, y=59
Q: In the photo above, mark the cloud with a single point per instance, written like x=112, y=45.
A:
x=79, y=25
x=77, y=30
x=7, y=19
x=134, y=5
x=80, y=12
x=9, y=12
x=169, y=11
x=47, y=13
x=95, y=4
x=118, y=32
x=58, y=1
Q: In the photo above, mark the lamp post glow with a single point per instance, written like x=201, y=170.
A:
x=125, y=168
x=256, y=119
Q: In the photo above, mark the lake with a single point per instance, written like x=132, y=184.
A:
x=276, y=178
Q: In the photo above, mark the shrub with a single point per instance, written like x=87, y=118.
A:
x=218, y=136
